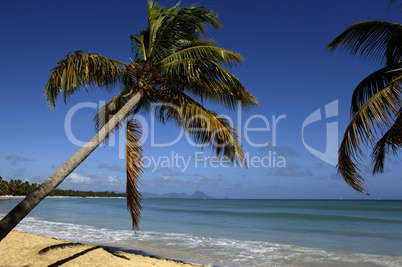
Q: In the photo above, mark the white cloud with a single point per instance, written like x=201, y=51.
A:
x=78, y=179
x=116, y=181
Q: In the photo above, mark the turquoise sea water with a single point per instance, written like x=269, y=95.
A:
x=231, y=232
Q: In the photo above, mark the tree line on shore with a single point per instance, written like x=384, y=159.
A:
x=20, y=188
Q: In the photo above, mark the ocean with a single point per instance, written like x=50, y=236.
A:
x=230, y=232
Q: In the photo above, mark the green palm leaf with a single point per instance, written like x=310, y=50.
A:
x=376, y=40
x=138, y=45
x=167, y=29
x=377, y=113
x=376, y=100
x=204, y=49
x=372, y=84
x=207, y=79
x=390, y=141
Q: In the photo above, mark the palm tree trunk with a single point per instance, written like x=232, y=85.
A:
x=33, y=199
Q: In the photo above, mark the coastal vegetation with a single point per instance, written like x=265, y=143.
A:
x=175, y=70
x=16, y=187
x=376, y=107
x=19, y=188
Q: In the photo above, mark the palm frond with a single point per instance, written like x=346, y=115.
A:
x=168, y=29
x=375, y=40
x=377, y=113
x=196, y=18
x=139, y=45
x=155, y=20
x=390, y=141
x=204, y=126
x=134, y=168
x=80, y=70
x=209, y=80
x=221, y=93
x=204, y=49
x=372, y=84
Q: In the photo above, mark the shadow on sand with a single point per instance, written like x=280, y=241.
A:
x=115, y=251
x=71, y=245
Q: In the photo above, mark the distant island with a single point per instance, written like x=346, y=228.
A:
x=19, y=188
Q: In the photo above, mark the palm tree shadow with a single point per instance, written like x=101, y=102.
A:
x=72, y=245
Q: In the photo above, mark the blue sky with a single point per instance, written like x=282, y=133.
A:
x=287, y=67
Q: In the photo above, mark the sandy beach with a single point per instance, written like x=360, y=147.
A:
x=24, y=249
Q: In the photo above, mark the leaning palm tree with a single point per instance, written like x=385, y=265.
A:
x=175, y=69
x=376, y=108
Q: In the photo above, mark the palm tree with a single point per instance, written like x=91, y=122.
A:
x=3, y=186
x=376, y=102
x=174, y=67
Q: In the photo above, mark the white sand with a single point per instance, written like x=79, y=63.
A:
x=22, y=249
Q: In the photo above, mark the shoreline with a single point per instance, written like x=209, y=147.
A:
x=26, y=249
x=274, y=199
x=22, y=197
